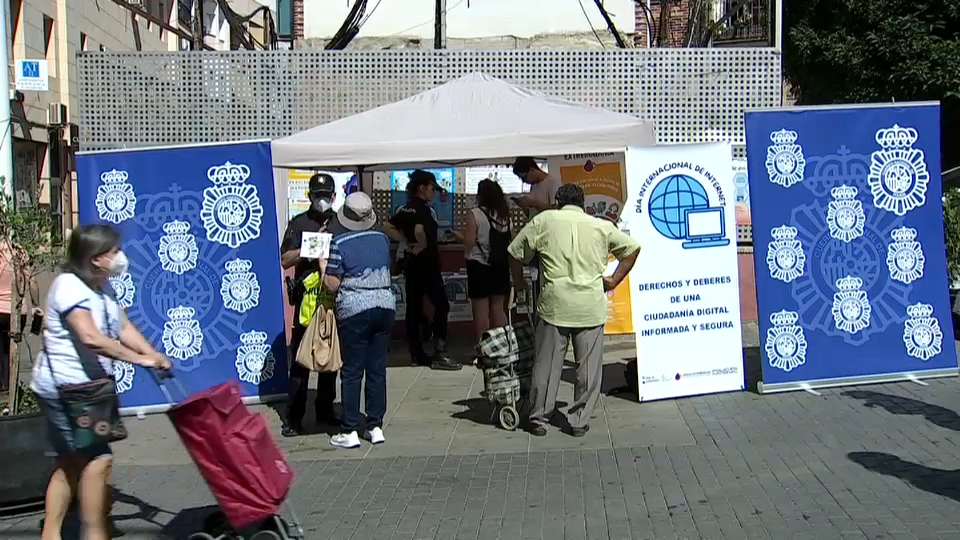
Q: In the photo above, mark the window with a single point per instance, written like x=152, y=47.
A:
x=48, y=48
x=15, y=7
x=83, y=41
x=185, y=13
x=49, y=45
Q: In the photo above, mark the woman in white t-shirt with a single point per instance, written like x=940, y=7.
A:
x=485, y=239
x=85, y=331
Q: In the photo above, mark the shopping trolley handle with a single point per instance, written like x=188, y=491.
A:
x=162, y=377
x=161, y=374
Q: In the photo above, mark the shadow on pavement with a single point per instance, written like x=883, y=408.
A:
x=614, y=381
x=899, y=405
x=752, y=368
x=480, y=411
x=615, y=384
x=145, y=516
x=193, y=520
x=941, y=482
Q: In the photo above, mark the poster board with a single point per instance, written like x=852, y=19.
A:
x=603, y=179
x=686, y=306
x=851, y=270
x=204, y=282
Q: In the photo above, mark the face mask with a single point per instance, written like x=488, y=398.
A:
x=321, y=205
x=119, y=264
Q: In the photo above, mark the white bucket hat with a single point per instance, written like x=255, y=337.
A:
x=357, y=213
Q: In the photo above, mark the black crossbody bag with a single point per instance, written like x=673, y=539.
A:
x=91, y=407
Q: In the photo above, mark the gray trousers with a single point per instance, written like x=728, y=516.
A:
x=551, y=347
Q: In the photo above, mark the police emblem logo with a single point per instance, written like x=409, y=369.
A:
x=123, y=289
x=255, y=362
x=851, y=307
x=178, y=249
x=785, y=162
x=921, y=332
x=898, y=175
x=785, y=257
x=845, y=217
x=116, y=201
x=231, y=211
x=123, y=376
x=785, y=343
x=905, y=258
x=239, y=288
x=182, y=337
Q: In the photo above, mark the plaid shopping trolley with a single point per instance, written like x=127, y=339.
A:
x=505, y=355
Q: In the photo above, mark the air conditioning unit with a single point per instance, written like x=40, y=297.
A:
x=56, y=114
x=136, y=3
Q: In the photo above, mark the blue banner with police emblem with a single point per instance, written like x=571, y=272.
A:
x=848, y=237
x=204, y=282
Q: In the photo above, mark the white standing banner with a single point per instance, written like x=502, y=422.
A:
x=685, y=298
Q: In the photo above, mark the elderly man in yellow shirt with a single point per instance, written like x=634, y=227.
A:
x=573, y=248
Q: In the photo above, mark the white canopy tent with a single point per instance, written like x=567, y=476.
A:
x=473, y=120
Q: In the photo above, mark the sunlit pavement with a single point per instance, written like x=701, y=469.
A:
x=866, y=462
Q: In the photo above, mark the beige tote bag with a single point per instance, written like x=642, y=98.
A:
x=320, y=349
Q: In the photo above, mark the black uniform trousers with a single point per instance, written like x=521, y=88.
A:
x=299, y=380
x=424, y=280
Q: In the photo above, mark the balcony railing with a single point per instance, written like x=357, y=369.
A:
x=750, y=23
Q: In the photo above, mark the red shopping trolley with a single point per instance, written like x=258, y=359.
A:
x=238, y=459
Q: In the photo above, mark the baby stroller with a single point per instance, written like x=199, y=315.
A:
x=238, y=459
x=506, y=355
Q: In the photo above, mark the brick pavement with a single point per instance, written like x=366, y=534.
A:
x=878, y=462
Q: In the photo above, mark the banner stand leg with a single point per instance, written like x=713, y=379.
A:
x=162, y=408
x=811, y=386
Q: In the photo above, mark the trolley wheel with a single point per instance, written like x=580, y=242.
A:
x=200, y=536
x=509, y=418
x=266, y=535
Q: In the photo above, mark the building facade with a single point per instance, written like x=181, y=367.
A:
x=703, y=23
x=45, y=123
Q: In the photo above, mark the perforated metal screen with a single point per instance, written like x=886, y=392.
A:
x=148, y=99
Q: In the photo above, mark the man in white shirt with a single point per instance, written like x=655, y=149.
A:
x=542, y=197
x=543, y=187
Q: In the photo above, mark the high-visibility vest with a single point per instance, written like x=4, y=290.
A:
x=313, y=296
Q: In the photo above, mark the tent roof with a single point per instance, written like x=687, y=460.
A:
x=475, y=119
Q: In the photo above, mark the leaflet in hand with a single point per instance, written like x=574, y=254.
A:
x=315, y=245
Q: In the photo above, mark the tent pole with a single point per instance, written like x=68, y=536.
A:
x=440, y=25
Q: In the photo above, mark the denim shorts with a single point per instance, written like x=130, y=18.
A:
x=60, y=434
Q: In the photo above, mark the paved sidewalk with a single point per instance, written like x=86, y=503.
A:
x=877, y=462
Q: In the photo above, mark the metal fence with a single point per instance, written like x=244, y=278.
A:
x=146, y=99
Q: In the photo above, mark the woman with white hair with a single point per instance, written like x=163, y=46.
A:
x=358, y=271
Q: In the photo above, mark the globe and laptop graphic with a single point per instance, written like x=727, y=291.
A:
x=680, y=210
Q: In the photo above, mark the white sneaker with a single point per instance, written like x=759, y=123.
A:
x=345, y=440
x=375, y=436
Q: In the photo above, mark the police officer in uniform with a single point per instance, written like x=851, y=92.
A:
x=320, y=216
x=416, y=225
